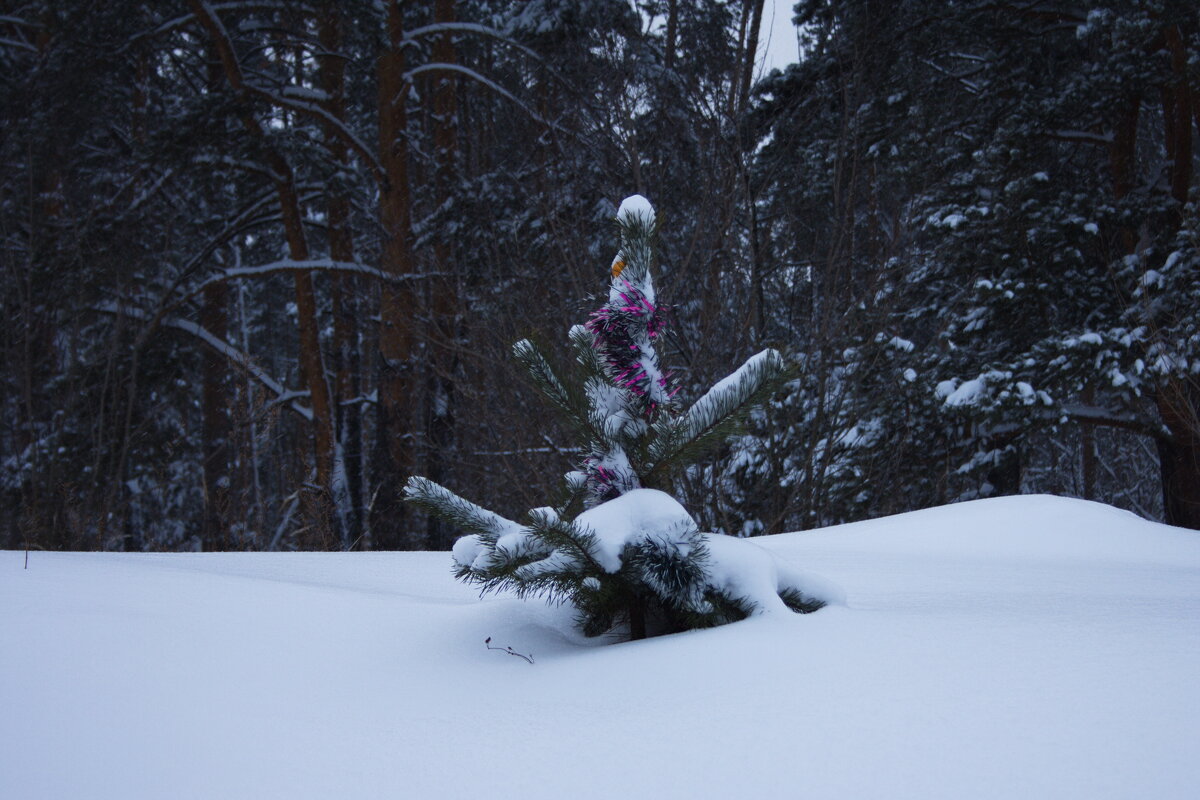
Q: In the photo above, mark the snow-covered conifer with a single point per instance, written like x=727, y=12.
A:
x=621, y=550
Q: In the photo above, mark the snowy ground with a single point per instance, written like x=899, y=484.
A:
x=1025, y=647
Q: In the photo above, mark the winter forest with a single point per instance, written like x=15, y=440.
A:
x=265, y=260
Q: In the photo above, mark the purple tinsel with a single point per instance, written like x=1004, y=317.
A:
x=616, y=328
x=623, y=331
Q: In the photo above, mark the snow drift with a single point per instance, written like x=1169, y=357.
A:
x=1017, y=647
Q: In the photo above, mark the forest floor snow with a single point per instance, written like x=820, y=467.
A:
x=1029, y=647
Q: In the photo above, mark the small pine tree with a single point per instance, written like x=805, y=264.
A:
x=620, y=549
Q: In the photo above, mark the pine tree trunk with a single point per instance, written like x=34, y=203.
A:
x=637, y=619
x=1179, y=456
x=1178, y=401
x=1179, y=123
x=347, y=416
x=1087, y=445
x=735, y=90
x=1122, y=153
x=443, y=361
x=251, y=468
x=313, y=368
x=312, y=363
x=672, y=33
x=750, y=56
x=1005, y=474
x=216, y=424
x=393, y=458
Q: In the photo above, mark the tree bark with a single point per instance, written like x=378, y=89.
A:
x=393, y=457
x=347, y=415
x=443, y=360
x=1122, y=153
x=1087, y=446
x=735, y=89
x=750, y=55
x=1179, y=456
x=637, y=618
x=1179, y=123
x=216, y=424
x=672, y=32
x=1178, y=401
x=311, y=361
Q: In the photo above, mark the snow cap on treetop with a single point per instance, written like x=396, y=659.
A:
x=633, y=208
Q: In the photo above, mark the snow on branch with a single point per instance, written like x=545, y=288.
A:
x=411, y=36
x=524, y=451
x=318, y=264
x=486, y=528
x=717, y=414
x=6, y=42
x=1095, y=415
x=236, y=356
x=469, y=516
x=182, y=20
x=335, y=124
x=147, y=192
x=1082, y=136
x=728, y=395
x=548, y=382
x=242, y=164
x=206, y=14
x=11, y=20
x=971, y=57
x=306, y=93
x=961, y=77
x=488, y=82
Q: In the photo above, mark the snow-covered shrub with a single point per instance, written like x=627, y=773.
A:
x=620, y=549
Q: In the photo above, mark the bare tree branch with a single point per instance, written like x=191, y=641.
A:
x=235, y=356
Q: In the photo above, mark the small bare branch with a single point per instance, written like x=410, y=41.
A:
x=509, y=650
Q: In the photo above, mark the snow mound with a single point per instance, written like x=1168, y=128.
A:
x=740, y=568
x=1003, y=648
x=737, y=569
x=635, y=208
x=631, y=519
x=1022, y=528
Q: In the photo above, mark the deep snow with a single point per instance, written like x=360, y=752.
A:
x=1027, y=647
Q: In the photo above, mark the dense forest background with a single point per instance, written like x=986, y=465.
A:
x=264, y=260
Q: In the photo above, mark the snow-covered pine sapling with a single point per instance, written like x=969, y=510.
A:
x=621, y=550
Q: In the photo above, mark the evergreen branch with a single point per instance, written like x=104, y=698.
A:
x=673, y=566
x=515, y=551
x=719, y=413
x=585, y=352
x=798, y=601
x=573, y=494
x=556, y=558
x=564, y=535
x=543, y=376
x=460, y=513
x=637, y=238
